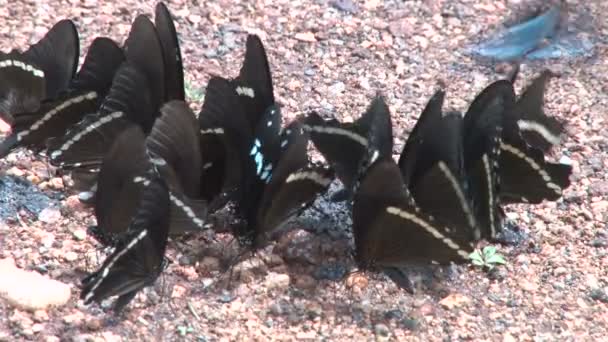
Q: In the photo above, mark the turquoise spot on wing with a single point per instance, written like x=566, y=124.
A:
x=259, y=160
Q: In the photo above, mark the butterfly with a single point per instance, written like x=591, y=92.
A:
x=344, y=145
x=278, y=181
x=117, y=195
x=41, y=72
x=83, y=96
x=138, y=258
x=174, y=148
x=525, y=176
x=224, y=130
x=230, y=113
x=432, y=165
x=391, y=231
x=483, y=132
x=171, y=150
x=144, y=50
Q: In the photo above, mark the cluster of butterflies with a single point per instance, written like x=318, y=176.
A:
x=151, y=168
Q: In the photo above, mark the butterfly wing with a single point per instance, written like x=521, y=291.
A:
x=259, y=164
x=527, y=178
x=117, y=195
x=129, y=101
x=84, y=96
x=174, y=141
x=525, y=175
x=341, y=144
x=52, y=119
x=432, y=166
x=138, y=260
x=344, y=145
x=22, y=85
x=99, y=67
x=57, y=53
x=223, y=123
x=254, y=83
x=409, y=158
x=174, y=70
x=483, y=127
x=380, y=133
x=293, y=185
x=529, y=120
x=390, y=231
x=143, y=50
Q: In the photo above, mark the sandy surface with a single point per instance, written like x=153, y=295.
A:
x=555, y=286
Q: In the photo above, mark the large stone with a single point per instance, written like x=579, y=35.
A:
x=28, y=290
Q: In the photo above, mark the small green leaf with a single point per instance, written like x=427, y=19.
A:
x=194, y=93
x=496, y=259
x=476, y=256
x=477, y=262
x=489, y=251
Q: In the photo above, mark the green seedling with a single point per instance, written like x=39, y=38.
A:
x=193, y=93
x=488, y=258
x=183, y=330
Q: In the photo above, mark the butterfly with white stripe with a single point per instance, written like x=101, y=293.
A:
x=344, y=145
x=391, y=232
x=138, y=257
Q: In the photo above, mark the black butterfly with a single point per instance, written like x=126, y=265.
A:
x=99, y=67
x=391, y=231
x=219, y=141
x=523, y=173
x=83, y=96
x=174, y=70
x=344, y=145
x=231, y=111
x=171, y=151
x=174, y=149
x=278, y=182
x=484, y=125
x=138, y=258
x=432, y=165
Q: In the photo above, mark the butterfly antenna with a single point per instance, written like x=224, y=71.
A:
x=236, y=260
x=164, y=284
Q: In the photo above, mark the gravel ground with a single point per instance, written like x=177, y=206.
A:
x=334, y=56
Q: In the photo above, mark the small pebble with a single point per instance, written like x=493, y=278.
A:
x=80, y=234
x=381, y=330
x=49, y=215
